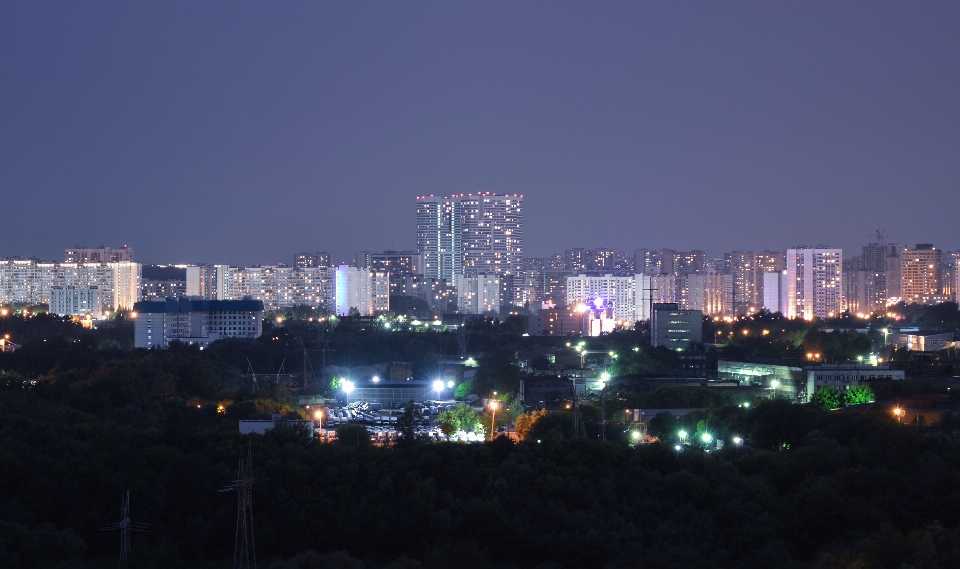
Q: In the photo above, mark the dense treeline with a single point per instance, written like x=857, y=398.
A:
x=844, y=487
x=84, y=418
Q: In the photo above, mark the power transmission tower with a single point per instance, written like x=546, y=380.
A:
x=244, y=552
x=125, y=525
x=463, y=338
x=579, y=429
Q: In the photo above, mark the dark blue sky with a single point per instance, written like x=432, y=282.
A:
x=244, y=132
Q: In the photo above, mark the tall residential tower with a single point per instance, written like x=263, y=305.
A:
x=472, y=234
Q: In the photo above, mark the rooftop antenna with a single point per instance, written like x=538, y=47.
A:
x=244, y=551
x=125, y=525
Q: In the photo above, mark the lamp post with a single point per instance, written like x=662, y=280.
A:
x=494, y=404
x=898, y=412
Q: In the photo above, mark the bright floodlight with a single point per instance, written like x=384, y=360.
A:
x=683, y=435
x=605, y=376
x=678, y=447
x=348, y=387
x=775, y=384
x=376, y=379
x=450, y=385
x=318, y=414
x=635, y=434
x=598, y=302
x=438, y=386
x=737, y=440
x=705, y=437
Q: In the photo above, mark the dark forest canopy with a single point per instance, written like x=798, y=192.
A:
x=83, y=418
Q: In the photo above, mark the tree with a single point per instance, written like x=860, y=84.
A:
x=527, y=421
x=858, y=395
x=407, y=424
x=664, y=426
x=352, y=434
x=460, y=418
x=827, y=398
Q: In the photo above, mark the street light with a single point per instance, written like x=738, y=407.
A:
x=706, y=438
x=438, y=385
x=683, y=435
x=898, y=412
x=347, y=387
x=737, y=440
x=494, y=404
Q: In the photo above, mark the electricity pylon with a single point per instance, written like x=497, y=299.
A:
x=244, y=551
x=125, y=525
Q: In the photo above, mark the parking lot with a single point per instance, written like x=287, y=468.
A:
x=381, y=423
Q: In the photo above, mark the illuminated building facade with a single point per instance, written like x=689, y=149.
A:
x=478, y=293
x=29, y=281
x=472, y=234
x=98, y=255
x=75, y=301
x=920, y=274
x=362, y=290
x=619, y=292
x=814, y=283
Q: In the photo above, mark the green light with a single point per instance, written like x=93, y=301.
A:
x=683, y=435
x=635, y=435
x=705, y=437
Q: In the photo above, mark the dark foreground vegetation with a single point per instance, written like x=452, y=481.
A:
x=83, y=418
x=843, y=488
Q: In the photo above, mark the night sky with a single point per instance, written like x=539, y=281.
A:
x=244, y=132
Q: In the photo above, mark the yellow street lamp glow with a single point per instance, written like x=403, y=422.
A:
x=318, y=415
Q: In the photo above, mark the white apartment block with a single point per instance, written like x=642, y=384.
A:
x=30, y=281
x=657, y=289
x=75, y=301
x=362, y=290
x=617, y=291
x=775, y=291
x=814, y=283
x=710, y=293
x=478, y=293
x=277, y=287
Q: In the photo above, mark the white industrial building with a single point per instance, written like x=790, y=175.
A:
x=160, y=321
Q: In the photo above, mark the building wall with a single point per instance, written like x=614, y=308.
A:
x=920, y=274
x=75, y=301
x=195, y=321
x=814, y=283
x=478, y=293
x=619, y=291
x=30, y=281
x=676, y=329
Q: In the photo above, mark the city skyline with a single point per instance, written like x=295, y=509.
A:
x=217, y=132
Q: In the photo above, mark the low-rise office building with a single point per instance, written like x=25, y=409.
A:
x=160, y=321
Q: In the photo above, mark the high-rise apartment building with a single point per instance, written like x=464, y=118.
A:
x=99, y=254
x=920, y=274
x=30, y=281
x=362, y=290
x=617, y=292
x=472, y=234
x=814, y=283
x=321, y=260
x=478, y=293
x=743, y=269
